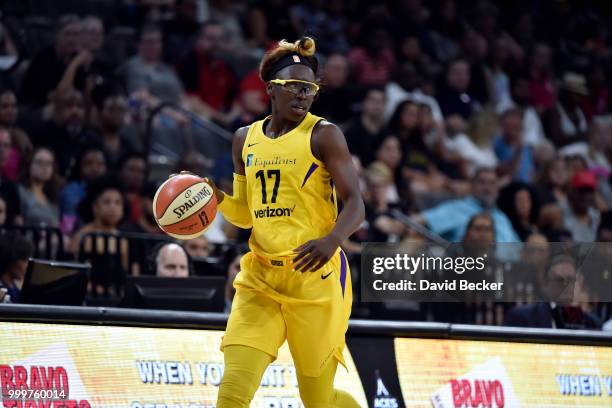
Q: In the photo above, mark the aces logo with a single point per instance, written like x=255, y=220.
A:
x=383, y=399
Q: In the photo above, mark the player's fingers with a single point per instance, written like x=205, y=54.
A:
x=301, y=247
x=304, y=249
x=308, y=266
x=303, y=263
x=317, y=265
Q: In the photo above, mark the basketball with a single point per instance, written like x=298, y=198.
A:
x=184, y=206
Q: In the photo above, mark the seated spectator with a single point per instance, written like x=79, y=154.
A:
x=450, y=218
x=181, y=31
x=373, y=64
x=22, y=146
x=66, y=133
x=15, y=251
x=102, y=210
x=133, y=170
x=553, y=182
x=383, y=227
x=453, y=95
x=515, y=158
x=335, y=99
x=91, y=165
x=49, y=66
x=146, y=223
x=596, y=150
x=520, y=203
x=171, y=261
x=147, y=71
x=8, y=188
x=206, y=75
x=112, y=110
x=388, y=152
x=580, y=216
x=364, y=133
x=533, y=132
x=197, y=247
x=540, y=74
x=565, y=122
x=558, y=286
x=39, y=189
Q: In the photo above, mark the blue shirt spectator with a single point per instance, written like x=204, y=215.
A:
x=525, y=168
x=451, y=218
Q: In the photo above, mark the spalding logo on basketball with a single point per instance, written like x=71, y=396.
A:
x=184, y=206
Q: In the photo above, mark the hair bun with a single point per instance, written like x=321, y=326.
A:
x=305, y=46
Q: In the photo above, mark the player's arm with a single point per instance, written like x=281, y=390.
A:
x=235, y=208
x=329, y=146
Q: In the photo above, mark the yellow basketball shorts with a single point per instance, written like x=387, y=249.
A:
x=310, y=310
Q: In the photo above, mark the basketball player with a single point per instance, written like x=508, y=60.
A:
x=294, y=284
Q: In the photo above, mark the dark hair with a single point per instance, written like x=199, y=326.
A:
x=148, y=28
x=395, y=122
x=130, y=155
x=484, y=214
x=51, y=187
x=13, y=247
x=506, y=199
x=95, y=189
x=93, y=147
x=106, y=90
x=65, y=20
x=605, y=222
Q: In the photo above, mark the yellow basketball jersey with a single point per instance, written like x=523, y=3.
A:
x=290, y=193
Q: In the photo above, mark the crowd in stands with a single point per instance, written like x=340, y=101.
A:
x=451, y=109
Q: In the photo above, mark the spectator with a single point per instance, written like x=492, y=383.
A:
x=599, y=94
x=515, y=158
x=450, y=218
x=453, y=95
x=102, y=210
x=15, y=251
x=373, y=64
x=22, y=146
x=566, y=123
x=147, y=71
x=206, y=75
x=181, y=31
x=112, y=111
x=558, y=286
x=540, y=78
x=39, y=189
x=383, y=227
x=133, y=170
x=335, y=88
x=388, y=152
x=596, y=151
x=91, y=165
x=49, y=66
x=580, y=216
x=553, y=182
x=66, y=134
x=364, y=133
x=312, y=17
x=519, y=202
x=8, y=188
x=171, y=261
x=533, y=133
x=197, y=247
x=146, y=223
x=495, y=70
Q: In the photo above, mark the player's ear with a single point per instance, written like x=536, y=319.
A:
x=269, y=89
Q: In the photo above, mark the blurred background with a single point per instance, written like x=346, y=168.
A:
x=480, y=121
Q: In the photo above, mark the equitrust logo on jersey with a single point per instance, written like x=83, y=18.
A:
x=251, y=160
x=274, y=212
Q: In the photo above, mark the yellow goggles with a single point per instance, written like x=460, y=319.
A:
x=295, y=86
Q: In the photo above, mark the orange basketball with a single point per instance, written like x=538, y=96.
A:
x=184, y=206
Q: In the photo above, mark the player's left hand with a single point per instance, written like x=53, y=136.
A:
x=314, y=254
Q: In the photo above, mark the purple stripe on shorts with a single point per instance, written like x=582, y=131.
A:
x=342, y=270
x=312, y=168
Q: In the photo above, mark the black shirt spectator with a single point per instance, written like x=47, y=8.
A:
x=363, y=135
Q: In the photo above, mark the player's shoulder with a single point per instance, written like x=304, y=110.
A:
x=242, y=132
x=327, y=128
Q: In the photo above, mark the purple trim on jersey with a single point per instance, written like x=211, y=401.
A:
x=312, y=168
x=342, y=271
x=331, y=184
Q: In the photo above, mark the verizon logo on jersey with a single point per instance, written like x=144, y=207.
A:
x=274, y=212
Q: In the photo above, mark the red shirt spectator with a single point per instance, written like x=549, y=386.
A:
x=372, y=70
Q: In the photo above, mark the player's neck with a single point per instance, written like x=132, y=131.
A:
x=278, y=126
